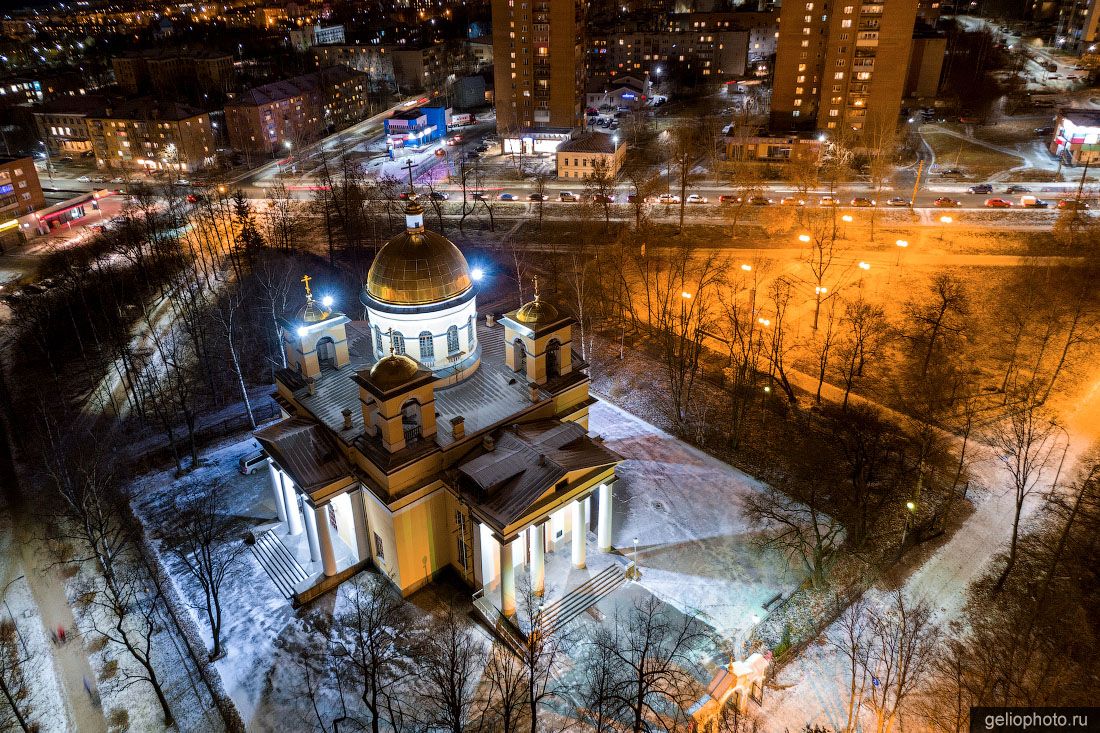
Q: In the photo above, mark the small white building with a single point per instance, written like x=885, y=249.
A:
x=577, y=158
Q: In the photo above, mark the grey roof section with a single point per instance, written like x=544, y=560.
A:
x=303, y=449
x=528, y=460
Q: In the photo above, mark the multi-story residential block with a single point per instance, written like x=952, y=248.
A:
x=1078, y=25
x=704, y=53
x=925, y=65
x=841, y=66
x=538, y=51
x=316, y=35
x=147, y=135
x=373, y=61
x=164, y=71
x=417, y=68
x=762, y=27
x=277, y=117
x=20, y=194
x=62, y=124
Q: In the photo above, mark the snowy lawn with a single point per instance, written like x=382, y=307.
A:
x=695, y=548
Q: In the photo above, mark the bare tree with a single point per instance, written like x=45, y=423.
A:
x=599, y=187
x=1024, y=443
x=866, y=331
x=13, y=680
x=205, y=539
x=683, y=152
x=939, y=320
x=225, y=314
x=849, y=636
x=596, y=690
x=451, y=662
x=799, y=530
x=506, y=705
x=905, y=639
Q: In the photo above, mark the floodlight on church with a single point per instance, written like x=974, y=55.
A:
x=327, y=301
x=477, y=274
x=302, y=331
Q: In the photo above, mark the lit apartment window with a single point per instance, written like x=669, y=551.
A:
x=798, y=103
x=846, y=23
x=798, y=90
x=805, y=31
x=832, y=125
x=848, y=9
x=834, y=112
x=809, y=7
x=807, y=19
x=806, y=43
x=838, y=75
x=800, y=79
x=802, y=67
x=796, y=113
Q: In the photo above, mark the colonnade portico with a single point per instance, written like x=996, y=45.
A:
x=532, y=541
x=301, y=515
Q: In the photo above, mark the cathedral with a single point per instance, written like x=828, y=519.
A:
x=428, y=439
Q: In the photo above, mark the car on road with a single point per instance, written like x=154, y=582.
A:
x=85, y=179
x=695, y=198
x=603, y=198
x=194, y=198
x=997, y=203
x=760, y=201
x=407, y=196
x=898, y=201
x=945, y=202
x=538, y=197
x=729, y=198
x=479, y=196
x=483, y=148
x=508, y=197
x=65, y=159
x=1017, y=189
x=980, y=188
x=828, y=201
x=668, y=198
x=437, y=196
x=951, y=172
x=792, y=201
x=862, y=202
x=567, y=196
x=118, y=179
x=1072, y=204
x=1034, y=202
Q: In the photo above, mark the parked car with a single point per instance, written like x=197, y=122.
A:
x=87, y=154
x=437, y=196
x=759, y=201
x=668, y=198
x=998, y=204
x=85, y=179
x=65, y=159
x=1044, y=131
x=483, y=148
x=951, y=172
x=1017, y=189
x=249, y=464
x=862, y=201
x=695, y=198
x=980, y=188
x=945, y=202
x=407, y=196
x=538, y=197
x=1034, y=202
x=792, y=201
x=1072, y=204
x=508, y=197
x=898, y=201
x=729, y=198
x=479, y=196
x=603, y=198
x=827, y=201
x=567, y=196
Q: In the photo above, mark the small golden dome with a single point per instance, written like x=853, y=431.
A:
x=537, y=311
x=312, y=313
x=393, y=371
x=418, y=267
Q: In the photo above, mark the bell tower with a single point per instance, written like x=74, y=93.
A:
x=315, y=339
x=538, y=341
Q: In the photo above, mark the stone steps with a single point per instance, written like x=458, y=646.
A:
x=563, y=610
x=278, y=563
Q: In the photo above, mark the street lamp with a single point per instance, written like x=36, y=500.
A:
x=477, y=274
x=636, y=573
x=746, y=268
x=902, y=244
x=818, y=292
x=865, y=265
x=945, y=220
x=911, y=506
x=803, y=238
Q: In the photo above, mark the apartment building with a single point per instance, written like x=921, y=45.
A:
x=20, y=191
x=63, y=123
x=703, y=53
x=142, y=134
x=1078, y=25
x=275, y=118
x=420, y=67
x=762, y=27
x=538, y=62
x=840, y=66
x=371, y=60
x=316, y=35
x=163, y=71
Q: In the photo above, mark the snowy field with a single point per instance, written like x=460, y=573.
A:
x=694, y=547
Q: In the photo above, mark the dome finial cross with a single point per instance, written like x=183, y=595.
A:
x=309, y=293
x=536, y=279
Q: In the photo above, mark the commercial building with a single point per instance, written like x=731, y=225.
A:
x=1076, y=137
x=841, y=67
x=425, y=442
x=165, y=71
x=538, y=65
x=623, y=91
x=20, y=194
x=143, y=134
x=773, y=148
x=63, y=123
x=277, y=117
x=415, y=128
x=578, y=157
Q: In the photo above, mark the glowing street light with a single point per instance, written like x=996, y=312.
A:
x=820, y=290
x=865, y=265
x=902, y=244
x=746, y=268
x=764, y=321
x=945, y=220
x=685, y=295
x=803, y=238
x=910, y=505
x=847, y=218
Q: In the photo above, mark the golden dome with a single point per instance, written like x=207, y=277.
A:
x=537, y=311
x=418, y=266
x=393, y=371
x=311, y=313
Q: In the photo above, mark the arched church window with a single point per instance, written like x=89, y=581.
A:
x=378, y=341
x=470, y=332
x=452, y=340
x=553, y=358
x=398, y=342
x=427, y=347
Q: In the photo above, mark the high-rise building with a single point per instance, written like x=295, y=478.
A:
x=538, y=61
x=841, y=66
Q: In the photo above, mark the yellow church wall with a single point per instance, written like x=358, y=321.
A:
x=423, y=536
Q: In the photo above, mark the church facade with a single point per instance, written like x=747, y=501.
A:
x=427, y=439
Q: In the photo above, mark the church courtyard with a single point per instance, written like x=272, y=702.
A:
x=694, y=549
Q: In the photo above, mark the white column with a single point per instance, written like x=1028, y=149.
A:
x=578, y=534
x=538, y=561
x=359, y=519
x=324, y=539
x=603, y=525
x=479, y=570
x=311, y=534
x=293, y=516
x=507, y=580
x=277, y=489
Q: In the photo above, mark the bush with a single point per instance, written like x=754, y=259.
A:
x=110, y=669
x=785, y=643
x=119, y=720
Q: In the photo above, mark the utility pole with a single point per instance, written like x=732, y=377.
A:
x=916, y=183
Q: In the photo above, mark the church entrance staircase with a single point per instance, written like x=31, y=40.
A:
x=278, y=563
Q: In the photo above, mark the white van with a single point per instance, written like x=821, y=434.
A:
x=250, y=463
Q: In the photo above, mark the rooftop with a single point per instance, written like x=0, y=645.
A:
x=589, y=142
x=295, y=87
x=1082, y=117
